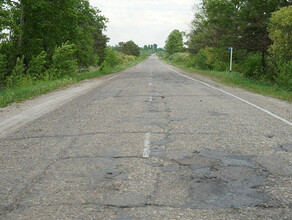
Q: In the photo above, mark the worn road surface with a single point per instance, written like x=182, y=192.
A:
x=148, y=143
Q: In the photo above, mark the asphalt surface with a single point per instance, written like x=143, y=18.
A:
x=151, y=144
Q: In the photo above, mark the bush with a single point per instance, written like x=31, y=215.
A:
x=130, y=58
x=252, y=67
x=162, y=54
x=3, y=66
x=217, y=58
x=36, y=69
x=130, y=48
x=200, y=60
x=17, y=76
x=179, y=57
x=219, y=66
x=111, y=59
x=63, y=62
x=284, y=77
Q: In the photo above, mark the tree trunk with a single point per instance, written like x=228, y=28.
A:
x=263, y=61
x=22, y=23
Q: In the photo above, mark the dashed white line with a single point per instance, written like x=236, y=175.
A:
x=150, y=99
x=234, y=96
x=150, y=84
x=146, y=150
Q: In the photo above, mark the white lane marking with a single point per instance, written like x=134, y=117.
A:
x=234, y=96
x=146, y=151
x=150, y=99
x=150, y=84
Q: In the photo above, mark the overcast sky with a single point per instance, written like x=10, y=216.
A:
x=145, y=21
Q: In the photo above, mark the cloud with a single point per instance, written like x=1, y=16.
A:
x=147, y=21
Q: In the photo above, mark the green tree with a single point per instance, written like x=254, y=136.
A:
x=36, y=69
x=255, y=15
x=130, y=48
x=280, y=32
x=238, y=23
x=4, y=18
x=64, y=62
x=18, y=74
x=174, y=42
x=43, y=25
x=111, y=59
x=3, y=66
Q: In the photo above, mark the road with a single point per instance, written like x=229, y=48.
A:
x=148, y=143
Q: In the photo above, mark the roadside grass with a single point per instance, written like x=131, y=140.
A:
x=11, y=95
x=235, y=79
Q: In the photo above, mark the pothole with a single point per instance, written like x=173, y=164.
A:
x=222, y=180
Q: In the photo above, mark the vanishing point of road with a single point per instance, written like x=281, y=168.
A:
x=148, y=143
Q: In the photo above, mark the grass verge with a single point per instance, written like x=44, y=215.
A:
x=11, y=95
x=235, y=79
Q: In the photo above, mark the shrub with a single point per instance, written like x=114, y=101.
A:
x=217, y=58
x=120, y=57
x=179, y=57
x=220, y=66
x=130, y=58
x=130, y=48
x=36, y=69
x=63, y=62
x=111, y=57
x=284, y=77
x=18, y=74
x=3, y=66
x=200, y=60
x=252, y=67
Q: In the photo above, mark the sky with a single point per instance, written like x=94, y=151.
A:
x=145, y=21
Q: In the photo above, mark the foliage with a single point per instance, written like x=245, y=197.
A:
x=237, y=79
x=18, y=74
x=281, y=33
x=174, y=42
x=36, y=26
x=63, y=61
x=151, y=47
x=285, y=74
x=111, y=59
x=129, y=48
x=252, y=67
x=36, y=69
x=219, y=24
x=5, y=18
x=17, y=94
x=3, y=66
x=200, y=60
x=179, y=57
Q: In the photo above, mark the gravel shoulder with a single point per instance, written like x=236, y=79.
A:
x=16, y=115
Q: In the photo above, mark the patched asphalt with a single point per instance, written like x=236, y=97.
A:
x=149, y=144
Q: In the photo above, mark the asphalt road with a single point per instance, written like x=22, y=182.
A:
x=150, y=143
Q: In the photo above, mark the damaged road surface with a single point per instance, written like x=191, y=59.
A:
x=150, y=144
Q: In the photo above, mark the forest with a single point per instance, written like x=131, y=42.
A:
x=259, y=31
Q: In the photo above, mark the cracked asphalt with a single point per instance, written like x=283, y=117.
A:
x=151, y=144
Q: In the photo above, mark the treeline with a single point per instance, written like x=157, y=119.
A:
x=46, y=40
x=258, y=30
x=150, y=47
